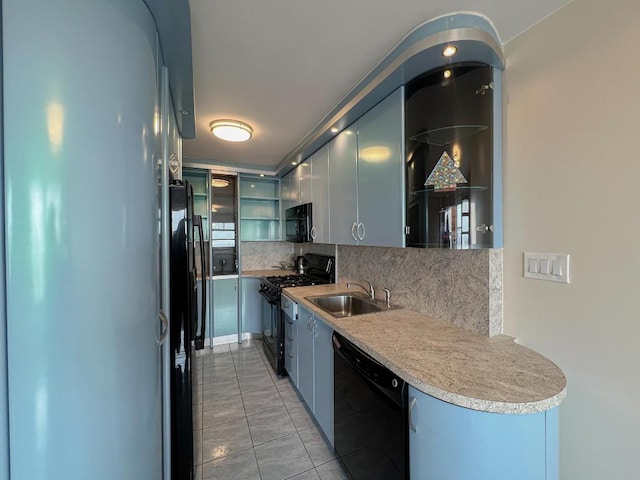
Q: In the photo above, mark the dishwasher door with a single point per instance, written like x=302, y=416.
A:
x=370, y=416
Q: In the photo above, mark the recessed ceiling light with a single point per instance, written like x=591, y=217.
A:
x=231, y=130
x=449, y=51
x=334, y=130
x=348, y=132
x=447, y=74
x=294, y=163
x=262, y=174
x=219, y=182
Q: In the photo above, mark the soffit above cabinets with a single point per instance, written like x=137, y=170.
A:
x=281, y=66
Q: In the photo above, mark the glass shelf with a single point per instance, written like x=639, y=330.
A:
x=263, y=199
x=447, y=135
x=266, y=219
x=443, y=193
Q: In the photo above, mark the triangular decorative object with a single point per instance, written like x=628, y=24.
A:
x=445, y=175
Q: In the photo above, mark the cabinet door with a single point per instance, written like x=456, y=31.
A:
x=381, y=174
x=303, y=181
x=225, y=306
x=251, y=306
x=343, y=189
x=286, y=192
x=323, y=375
x=305, y=356
x=320, y=189
x=447, y=442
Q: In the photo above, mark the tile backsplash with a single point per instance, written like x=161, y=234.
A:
x=461, y=287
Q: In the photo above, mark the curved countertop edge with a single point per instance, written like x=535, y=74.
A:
x=481, y=404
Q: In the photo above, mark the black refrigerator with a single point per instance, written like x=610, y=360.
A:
x=187, y=322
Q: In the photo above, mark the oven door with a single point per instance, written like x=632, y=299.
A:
x=272, y=332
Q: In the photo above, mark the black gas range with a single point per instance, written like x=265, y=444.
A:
x=320, y=271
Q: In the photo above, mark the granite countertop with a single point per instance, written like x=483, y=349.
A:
x=459, y=367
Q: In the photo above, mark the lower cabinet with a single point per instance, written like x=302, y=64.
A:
x=315, y=368
x=323, y=377
x=305, y=356
x=251, y=305
x=225, y=306
x=448, y=442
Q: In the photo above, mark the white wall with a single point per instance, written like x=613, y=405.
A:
x=571, y=183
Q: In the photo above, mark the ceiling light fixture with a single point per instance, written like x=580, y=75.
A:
x=334, y=130
x=219, y=182
x=231, y=130
x=449, y=51
x=447, y=74
x=294, y=163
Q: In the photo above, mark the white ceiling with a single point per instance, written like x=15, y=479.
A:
x=282, y=65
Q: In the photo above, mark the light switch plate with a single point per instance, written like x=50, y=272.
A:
x=546, y=266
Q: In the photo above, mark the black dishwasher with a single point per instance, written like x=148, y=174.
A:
x=370, y=416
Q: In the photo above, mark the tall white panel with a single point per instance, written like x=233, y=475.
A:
x=81, y=221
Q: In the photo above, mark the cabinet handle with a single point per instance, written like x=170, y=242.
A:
x=291, y=355
x=313, y=233
x=165, y=328
x=315, y=328
x=353, y=231
x=412, y=404
x=361, y=237
x=310, y=323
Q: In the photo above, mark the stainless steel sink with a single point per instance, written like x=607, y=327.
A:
x=346, y=304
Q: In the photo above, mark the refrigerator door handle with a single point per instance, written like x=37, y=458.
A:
x=165, y=328
x=199, y=340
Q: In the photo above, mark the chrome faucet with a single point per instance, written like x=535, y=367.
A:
x=370, y=291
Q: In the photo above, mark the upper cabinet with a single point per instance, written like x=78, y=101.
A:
x=320, y=190
x=259, y=208
x=366, y=178
x=380, y=174
x=450, y=141
x=343, y=187
x=418, y=160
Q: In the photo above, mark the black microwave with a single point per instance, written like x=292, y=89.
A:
x=298, y=224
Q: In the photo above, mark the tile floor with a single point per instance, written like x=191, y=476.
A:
x=250, y=424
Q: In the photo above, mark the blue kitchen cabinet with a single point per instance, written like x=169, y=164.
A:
x=251, y=309
x=366, y=171
x=288, y=190
x=381, y=174
x=448, y=442
x=314, y=380
x=343, y=187
x=305, y=356
x=259, y=208
x=323, y=377
x=320, y=190
x=302, y=191
x=225, y=306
